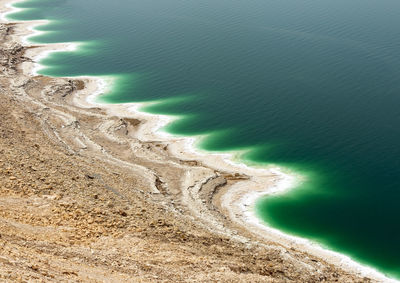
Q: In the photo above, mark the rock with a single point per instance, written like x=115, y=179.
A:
x=122, y=213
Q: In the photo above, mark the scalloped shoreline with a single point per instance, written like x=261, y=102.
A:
x=238, y=200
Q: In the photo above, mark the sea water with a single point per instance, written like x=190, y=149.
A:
x=310, y=86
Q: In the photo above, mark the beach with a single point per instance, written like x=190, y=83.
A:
x=94, y=192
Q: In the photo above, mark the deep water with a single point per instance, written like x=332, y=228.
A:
x=312, y=86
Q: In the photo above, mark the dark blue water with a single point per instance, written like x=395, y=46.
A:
x=312, y=86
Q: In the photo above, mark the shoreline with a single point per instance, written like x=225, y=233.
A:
x=237, y=201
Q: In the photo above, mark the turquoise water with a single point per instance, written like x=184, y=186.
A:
x=312, y=86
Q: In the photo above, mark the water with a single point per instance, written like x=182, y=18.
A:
x=312, y=86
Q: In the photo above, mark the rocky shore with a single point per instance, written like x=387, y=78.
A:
x=84, y=199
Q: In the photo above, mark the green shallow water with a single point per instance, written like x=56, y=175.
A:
x=311, y=86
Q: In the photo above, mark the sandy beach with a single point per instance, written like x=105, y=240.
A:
x=95, y=192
